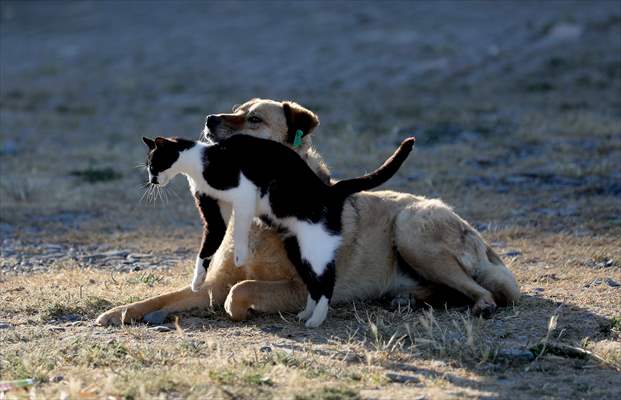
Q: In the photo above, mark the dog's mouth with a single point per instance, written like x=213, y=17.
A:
x=216, y=135
x=211, y=137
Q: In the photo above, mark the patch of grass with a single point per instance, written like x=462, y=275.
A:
x=148, y=278
x=176, y=87
x=24, y=366
x=96, y=175
x=539, y=87
x=20, y=190
x=330, y=393
x=233, y=378
x=79, y=110
x=74, y=309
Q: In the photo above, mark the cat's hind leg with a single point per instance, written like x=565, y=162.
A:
x=319, y=280
x=326, y=288
x=308, y=310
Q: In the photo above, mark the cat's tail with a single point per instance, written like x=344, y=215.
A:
x=369, y=181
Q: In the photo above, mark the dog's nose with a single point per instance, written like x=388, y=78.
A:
x=213, y=121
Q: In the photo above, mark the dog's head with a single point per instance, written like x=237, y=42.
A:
x=268, y=119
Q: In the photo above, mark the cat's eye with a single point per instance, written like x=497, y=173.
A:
x=254, y=119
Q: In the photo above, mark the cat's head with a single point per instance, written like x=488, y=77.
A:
x=162, y=159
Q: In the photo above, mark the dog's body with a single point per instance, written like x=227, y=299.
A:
x=393, y=243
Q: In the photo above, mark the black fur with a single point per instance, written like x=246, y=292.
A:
x=293, y=190
x=316, y=285
x=214, y=226
x=162, y=160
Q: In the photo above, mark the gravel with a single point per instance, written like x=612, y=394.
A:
x=17, y=256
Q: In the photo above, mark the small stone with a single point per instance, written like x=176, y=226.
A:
x=57, y=378
x=612, y=283
x=353, y=358
x=161, y=328
x=115, y=253
x=595, y=282
x=265, y=349
x=71, y=317
x=156, y=317
x=76, y=323
x=138, y=256
x=136, y=268
x=521, y=355
x=4, y=325
x=52, y=248
x=272, y=329
x=513, y=253
x=399, y=378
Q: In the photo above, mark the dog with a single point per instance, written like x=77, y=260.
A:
x=395, y=244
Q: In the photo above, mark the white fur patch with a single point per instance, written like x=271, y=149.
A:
x=317, y=245
x=308, y=310
x=319, y=314
x=244, y=199
x=199, y=274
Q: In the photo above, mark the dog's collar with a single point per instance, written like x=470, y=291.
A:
x=297, y=140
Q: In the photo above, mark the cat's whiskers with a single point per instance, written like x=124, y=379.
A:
x=170, y=190
x=147, y=193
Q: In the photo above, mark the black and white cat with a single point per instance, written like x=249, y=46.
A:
x=263, y=178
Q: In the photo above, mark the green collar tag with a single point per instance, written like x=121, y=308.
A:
x=297, y=141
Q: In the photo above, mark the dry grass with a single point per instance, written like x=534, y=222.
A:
x=364, y=350
x=525, y=144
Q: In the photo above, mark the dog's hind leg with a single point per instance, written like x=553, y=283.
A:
x=430, y=238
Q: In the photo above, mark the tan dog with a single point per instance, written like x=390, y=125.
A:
x=393, y=243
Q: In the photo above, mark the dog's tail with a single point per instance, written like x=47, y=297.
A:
x=348, y=187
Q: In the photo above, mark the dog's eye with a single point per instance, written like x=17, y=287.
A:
x=254, y=119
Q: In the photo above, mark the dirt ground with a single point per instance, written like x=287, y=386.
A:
x=517, y=111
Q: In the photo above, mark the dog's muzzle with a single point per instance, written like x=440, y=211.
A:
x=212, y=122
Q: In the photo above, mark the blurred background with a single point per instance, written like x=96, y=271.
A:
x=516, y=105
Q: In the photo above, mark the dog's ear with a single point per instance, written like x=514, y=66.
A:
x=298, y=118
x=149, y=142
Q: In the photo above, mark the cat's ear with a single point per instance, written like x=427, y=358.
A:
x=161, y=141
x=149, y=142
x=298, y=118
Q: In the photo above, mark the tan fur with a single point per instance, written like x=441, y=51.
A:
x=435, y=242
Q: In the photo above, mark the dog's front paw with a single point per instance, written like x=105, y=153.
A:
x=241, y=255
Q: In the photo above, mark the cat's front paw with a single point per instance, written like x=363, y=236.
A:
x=199, y=274
x=241, y=255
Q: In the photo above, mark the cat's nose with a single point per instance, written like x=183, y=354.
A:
x=213, y=121
x=153, y=180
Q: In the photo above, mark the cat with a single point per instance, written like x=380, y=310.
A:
x=263, y=178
